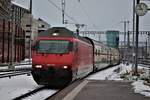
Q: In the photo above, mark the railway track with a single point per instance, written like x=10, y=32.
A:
x=30, y=93
x=53, y=94
x=18, y=69
x=39, y=90
x=13, y=73
x=145, y=63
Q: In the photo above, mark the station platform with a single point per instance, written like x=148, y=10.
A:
x=104, y=90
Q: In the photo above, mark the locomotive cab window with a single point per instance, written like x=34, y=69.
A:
x=54, y=46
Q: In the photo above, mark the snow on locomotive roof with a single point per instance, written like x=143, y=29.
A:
x=61, y=32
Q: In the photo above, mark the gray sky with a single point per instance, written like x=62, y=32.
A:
x=98, y=15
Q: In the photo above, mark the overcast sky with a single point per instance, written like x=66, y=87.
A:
x=99, y=15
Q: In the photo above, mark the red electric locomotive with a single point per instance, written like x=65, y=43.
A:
x=61, y=56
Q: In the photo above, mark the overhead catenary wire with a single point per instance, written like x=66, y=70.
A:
x=71, y=18
x=85, y=12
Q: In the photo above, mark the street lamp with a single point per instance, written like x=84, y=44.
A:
x=136, y=41
x=30, y=31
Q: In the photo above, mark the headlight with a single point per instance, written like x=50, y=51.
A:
x=38, y=66
x=65, y=67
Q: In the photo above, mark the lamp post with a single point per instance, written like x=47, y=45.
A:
x=133, y=45
x=30, y=30
x=141, y=9
x=63, y=11
x=136, y=41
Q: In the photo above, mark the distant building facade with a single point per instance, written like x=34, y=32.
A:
x=30, y=26
x=18, y=13
x=5, y=8
x=112, y=38
x=22, y=17
x=43, y=25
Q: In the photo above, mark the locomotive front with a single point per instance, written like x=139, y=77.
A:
x=52, y=59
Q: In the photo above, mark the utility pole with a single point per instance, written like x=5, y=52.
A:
x=136, y=41
x=125, y=42
x=78, y=27
x=124, y=34
x=63, y=11
x=30, y=6
x=128, y=35
x=133, y=45
x=128, y=42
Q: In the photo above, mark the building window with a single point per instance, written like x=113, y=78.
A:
x=28, y=31
x=42, y=26
x=28, y=25
x=27, y=36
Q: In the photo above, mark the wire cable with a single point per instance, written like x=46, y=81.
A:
x=61, y=10
x=89, y=18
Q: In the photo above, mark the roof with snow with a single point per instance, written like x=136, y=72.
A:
x=19, y=5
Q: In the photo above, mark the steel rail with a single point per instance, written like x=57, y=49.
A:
x=10, y=74
x=16, y=69
x=30, y=93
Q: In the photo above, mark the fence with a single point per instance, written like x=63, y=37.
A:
x=12, y=42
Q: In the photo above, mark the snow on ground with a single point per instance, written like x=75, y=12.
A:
x=111, y=73
x=139, y=87
x=23, y=66
x=15, y=86
x=18, y=85
x=103, y=75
